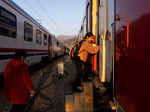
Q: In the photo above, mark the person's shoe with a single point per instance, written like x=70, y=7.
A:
x=87, y=80
x=78, y=89
x=90, y=77
x=95, y=73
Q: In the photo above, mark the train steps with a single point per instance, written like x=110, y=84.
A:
x=90, y=100
x=80, y=102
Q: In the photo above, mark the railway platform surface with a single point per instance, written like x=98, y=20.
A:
x=52, y=89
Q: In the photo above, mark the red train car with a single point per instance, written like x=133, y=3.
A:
x=132, y=67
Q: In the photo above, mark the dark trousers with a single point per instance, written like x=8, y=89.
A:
x=85, y=69
x=18, y=108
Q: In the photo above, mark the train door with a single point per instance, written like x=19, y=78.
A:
x=101, y=27
x=90, y=26
x=102, y=19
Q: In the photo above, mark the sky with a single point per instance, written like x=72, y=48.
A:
x=60, y=17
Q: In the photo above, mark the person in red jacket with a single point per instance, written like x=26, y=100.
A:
x=17, y=82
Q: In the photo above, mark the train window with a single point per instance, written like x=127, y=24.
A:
x=57, y=43
x=49, y=41
x=45, y=39
x=38, y=37
x=8, y=23
x=28, y=32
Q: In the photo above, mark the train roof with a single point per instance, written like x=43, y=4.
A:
x=18, y=8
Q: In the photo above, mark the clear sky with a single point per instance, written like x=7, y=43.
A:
x=58, y=16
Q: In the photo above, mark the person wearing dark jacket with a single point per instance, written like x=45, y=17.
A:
x=17, y=82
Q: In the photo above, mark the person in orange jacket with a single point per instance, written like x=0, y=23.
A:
x=87, y=48
x=17, y=82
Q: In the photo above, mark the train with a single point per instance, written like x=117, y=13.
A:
x=122, y=32
x=18, y=30
x=96, y=21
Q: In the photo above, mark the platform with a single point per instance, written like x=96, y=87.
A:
x=56, y=94
x=54, y=88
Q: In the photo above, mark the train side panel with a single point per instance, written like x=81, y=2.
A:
x=99, y=20
x=16, y=39
x=132, y=55
x=105, y=37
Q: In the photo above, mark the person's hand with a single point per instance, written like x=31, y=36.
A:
x=94, y=45
x=32, y=92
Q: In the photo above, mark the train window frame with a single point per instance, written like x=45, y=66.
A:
x=6, y=17
x=45, y=42
x=37, y=41
x=26, y=23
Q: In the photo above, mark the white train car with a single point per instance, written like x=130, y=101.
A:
x=58, y=48
x=18, y=30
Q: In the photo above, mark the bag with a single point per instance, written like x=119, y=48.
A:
x=76, y=51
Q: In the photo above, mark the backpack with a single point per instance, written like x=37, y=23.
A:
x=75, y=51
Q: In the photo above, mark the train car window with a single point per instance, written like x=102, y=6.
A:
x=45, y=39
x=49, y=41
x=8, y=23
x=38, y=37
x=57, y=43
x=28, y=32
